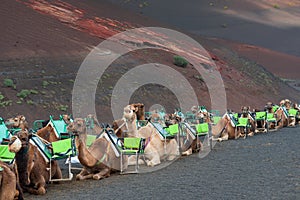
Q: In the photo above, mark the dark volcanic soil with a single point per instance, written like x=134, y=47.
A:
x=42, y=53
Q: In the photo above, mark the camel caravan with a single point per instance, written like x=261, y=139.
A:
x=30, y=157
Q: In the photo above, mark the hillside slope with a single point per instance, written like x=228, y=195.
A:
x=42, y=53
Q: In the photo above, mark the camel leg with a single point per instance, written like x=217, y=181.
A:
x=187, y=152
x=57, y=174
x=102, y=174
x=154, y=161
x=173, y=150
x=84, y=174
x=39, y=188
x=224, y=137
x=152, y=157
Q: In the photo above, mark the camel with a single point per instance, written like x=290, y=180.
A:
x=32, y=167
x=18, y=122
x=9, y=183
x=225, y=129
x=48, y=133
x=156, y=149
x=281, y=117
x=201, y=114
x=99, y=160
x=297, y=117
x=250, y=129
x=270, y=108
x=188, y=144
x=119, y=125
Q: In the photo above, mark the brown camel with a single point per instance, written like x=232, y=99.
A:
x=99, y=160
x=9, y=183
x=32, y=167
x=48, y=133
x=156, y=149
x=17, y=122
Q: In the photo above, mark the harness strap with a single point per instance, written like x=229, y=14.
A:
x=102, y=159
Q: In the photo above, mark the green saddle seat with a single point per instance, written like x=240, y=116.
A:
x=243, y=122
x=4, y=132
x=293, y=112
x=166, y=133
x=260, y=115
x=202, y=129
x=270, y=117
x=5, y=154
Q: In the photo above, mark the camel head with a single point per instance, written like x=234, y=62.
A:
x=269, y=106
x=67, y=118
x=171, y=119
x=18, y=141
x=139, y=110
x=17, y=122
x=245, y=110
x=287, y=103
x=78, y=126
x=130, y=113
x=296, y=106
x=282, y=102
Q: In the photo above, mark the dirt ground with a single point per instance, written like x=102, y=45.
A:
x=266, y=166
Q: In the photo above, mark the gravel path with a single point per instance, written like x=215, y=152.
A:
x=266, y=166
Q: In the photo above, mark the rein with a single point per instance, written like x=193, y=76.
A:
x=120, y=127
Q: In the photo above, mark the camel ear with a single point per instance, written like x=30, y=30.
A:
x=136, y=108
x=22, y=118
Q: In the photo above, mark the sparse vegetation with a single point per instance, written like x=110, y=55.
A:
x=45, y=84
x=62, y=107
x=3, y=102
x=29, y=102
x=180, y=61
x=276, y=6
x=9, y=83
x=23, y=94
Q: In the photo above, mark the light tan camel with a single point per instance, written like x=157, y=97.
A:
x=281, y=117
x=224, y=129
x=156, y=149
x=99, y=160
x=119, y=125
x=188, y=143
